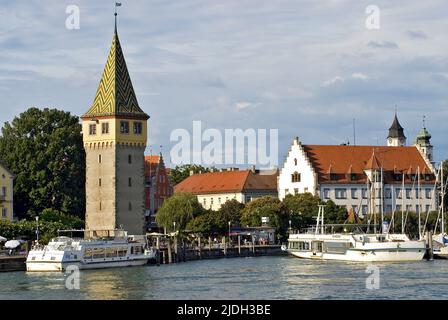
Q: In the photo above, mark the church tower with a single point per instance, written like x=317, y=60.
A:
x=115, y=135
x=396, y=136
x=423, y=143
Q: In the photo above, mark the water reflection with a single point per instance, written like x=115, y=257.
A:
x=113, y=284
x=240, y=278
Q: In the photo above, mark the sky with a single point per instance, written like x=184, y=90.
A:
x=306, y=68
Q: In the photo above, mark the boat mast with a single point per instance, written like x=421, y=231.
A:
x=402, y=206
x=418, y=204
x=442, y=189
x=382, y=198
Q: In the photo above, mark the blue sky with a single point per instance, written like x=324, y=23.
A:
x=305, y=67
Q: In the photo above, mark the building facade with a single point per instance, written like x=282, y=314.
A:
x=115, y=136
x=365, y=179
x=213, y=189
x=6, y=194
x=158, y=187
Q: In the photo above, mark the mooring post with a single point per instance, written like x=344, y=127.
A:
x=176, y=259
x=170, y=257
x=430, y=245
x=239, y=244
x=199, y=245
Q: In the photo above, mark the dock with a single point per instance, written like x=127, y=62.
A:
x=183, y=254
x=12, y=263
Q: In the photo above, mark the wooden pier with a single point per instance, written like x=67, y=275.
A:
x=182, y=254
x=12, y=263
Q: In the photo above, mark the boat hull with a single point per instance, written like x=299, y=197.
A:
x=365, y=256
x=57, y=266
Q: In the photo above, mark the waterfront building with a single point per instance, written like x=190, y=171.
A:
x=115, y=136
x=213, y=189
x=6, y=194
x=158, y=187
x=395, y=177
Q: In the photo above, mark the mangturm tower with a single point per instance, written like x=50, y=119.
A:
x=115, y=134
x=396, y=136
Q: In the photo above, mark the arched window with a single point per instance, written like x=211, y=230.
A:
x=295, y=162
x=295, y=177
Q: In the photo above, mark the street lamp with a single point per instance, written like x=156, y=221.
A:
x=37, y=229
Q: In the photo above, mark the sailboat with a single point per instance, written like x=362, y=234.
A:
x=357, y=245
x=440, y=240
x=353, y=246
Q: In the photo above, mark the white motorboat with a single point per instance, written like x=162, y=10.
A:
x=116, y=249
x=360, y=247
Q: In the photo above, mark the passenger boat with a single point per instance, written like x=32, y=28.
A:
x=112, y=249
x=353, y=246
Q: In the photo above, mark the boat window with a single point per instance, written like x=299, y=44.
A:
x=98, y=253
x=88, y=253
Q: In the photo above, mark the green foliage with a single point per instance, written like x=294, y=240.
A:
x=303, y=208
x=180, y=173
x=44, y=150
x=50, y=215
x=334, y=214
x=49, y=223
x=204, y=224
x=180, y=208
x=269, y=207
x=229, y=211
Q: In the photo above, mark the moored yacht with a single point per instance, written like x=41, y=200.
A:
x=112, y=249
x=362, y=247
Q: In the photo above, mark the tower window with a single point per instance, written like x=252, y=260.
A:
x=137, y=128
x=99, y=182
x=105, y=128
x=92, y=129
x=101, y=206
x=129, y=159
x=124, y=127
x=130, y=182
x=130, y=206
x=295, y=162
x=99, y=158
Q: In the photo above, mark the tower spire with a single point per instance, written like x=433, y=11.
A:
x=117, y=4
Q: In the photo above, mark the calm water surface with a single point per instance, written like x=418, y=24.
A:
x=238, y=278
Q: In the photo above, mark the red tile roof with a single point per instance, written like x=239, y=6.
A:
x=226, y=182
x=151, y=163
x=347, y=162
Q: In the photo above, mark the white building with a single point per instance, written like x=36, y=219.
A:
x=394, y=177
x=213, y=189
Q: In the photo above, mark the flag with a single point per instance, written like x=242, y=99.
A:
x=118, y=4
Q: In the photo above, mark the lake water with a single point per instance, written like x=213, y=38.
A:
x=238, y=278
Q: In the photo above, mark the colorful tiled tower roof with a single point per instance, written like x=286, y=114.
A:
x=115, y=95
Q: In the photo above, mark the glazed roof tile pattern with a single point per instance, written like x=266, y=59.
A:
x=115, y=95
x=227, y=182
x=348, y=163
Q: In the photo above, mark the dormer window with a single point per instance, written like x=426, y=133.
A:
x=333, y=177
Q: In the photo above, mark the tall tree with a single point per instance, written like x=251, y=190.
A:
x=44, y=150
x=180, y=173
x=180, y=208
x=269, y=207
x=302, y=208
x=230, y=211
